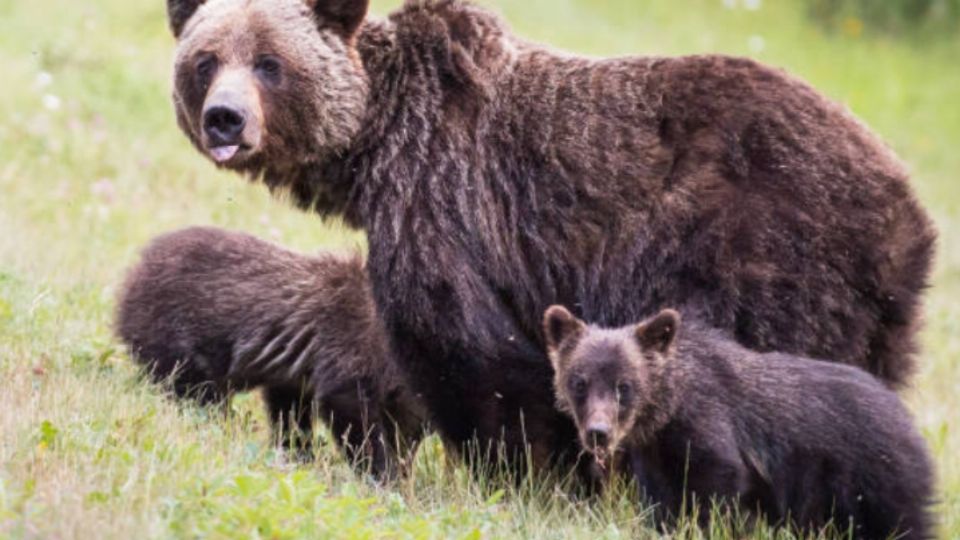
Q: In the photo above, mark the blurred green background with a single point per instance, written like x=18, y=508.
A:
x=92, y=165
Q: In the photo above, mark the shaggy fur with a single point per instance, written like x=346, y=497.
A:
x=495, y=177
x=801, y=441
x=217, y=312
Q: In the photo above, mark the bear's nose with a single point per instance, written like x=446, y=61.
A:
x=598, y=435
x=224, y=125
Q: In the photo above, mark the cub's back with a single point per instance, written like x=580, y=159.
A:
x=823, y=436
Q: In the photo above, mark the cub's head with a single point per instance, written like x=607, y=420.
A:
x=610, y=380
x=268, y=85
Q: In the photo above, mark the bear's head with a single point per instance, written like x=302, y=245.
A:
x=610, y=381
x=269, y=86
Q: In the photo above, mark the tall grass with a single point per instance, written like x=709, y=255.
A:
x=92, y=166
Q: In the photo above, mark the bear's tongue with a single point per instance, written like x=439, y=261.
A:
x=223, y=153
x=600, y=455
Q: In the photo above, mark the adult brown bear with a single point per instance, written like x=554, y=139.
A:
x=495, y=177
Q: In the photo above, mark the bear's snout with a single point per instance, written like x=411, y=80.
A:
x=231, y=119
x=224, y=125
x=598, y=435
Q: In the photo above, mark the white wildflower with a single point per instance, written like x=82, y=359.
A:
x=51, y=102
x=756, y=44
x=43, y=79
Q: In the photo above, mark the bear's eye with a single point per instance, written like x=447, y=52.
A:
x=578, y=387
x=205, y=67
x=623, y=391
x=268, y=67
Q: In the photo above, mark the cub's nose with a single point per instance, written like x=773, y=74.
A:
x=224, y=125
x=598, y=435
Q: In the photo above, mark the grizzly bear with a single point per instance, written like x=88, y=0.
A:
x=801, y=441
x=216, y=312
x=495, y=177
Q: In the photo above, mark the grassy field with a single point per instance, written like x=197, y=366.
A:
x=92, y=166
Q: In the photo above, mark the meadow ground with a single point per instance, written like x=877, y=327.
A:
x=92, y=166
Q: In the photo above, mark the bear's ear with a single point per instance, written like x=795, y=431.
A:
x=347, y=14
x=659, y=332
x=559, y=325
x=179, y=12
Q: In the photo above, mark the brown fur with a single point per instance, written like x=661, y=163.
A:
x=699, y=416
x=495, y=177
x=216, y=312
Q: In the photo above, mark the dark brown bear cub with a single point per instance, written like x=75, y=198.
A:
x=702, y=418
x=216, y=312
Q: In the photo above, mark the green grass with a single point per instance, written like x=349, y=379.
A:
x=92, y=166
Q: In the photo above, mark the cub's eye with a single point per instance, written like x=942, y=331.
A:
x=623, y=391
x=269, y=68
x=205, y=67
x=578, y=387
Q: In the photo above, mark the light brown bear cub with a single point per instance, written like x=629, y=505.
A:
x=698, y=417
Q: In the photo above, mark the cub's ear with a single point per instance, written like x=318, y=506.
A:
x=347, y=14
x=658, y=333
x=560, y=325
x=179, y=12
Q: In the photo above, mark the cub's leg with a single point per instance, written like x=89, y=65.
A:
x=401, y=441
x=291, y=411
x=353, y=415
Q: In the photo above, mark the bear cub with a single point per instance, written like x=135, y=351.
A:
x=697, y=417
x=216, y=312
